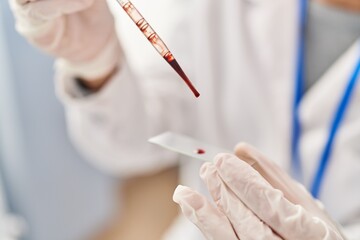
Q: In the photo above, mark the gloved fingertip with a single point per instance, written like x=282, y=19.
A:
x=243, y=149
x=188, y=199
x=179, y=193
x=244, y=145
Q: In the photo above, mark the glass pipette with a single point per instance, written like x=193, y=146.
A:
x=155, y=40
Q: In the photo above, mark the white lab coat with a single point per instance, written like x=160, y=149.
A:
x=241, y=56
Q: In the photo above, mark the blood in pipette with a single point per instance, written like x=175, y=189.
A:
x=175, y=65
x=155, y=40
x=200, y=151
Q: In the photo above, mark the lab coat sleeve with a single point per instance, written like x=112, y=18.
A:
x=111, y=127
x=352, y=232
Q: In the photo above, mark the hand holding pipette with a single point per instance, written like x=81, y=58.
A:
x=67, y=29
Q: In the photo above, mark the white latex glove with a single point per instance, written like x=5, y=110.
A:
x=79, y=32
x=248, y=206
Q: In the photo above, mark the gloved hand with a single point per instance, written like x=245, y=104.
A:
x=251, y=206
x=79, y=32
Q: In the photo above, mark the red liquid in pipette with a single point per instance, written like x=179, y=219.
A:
x=155, y=40
x=175, y=65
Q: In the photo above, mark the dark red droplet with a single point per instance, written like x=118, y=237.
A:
x=200, y=151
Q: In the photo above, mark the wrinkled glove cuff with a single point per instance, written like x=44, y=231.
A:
x=99, y=67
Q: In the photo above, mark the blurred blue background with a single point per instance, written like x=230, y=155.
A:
x=46, y=181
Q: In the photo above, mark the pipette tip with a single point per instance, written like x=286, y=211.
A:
x=175, y=65
x=197, y=94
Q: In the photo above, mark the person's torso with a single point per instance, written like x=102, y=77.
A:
x=242, y=57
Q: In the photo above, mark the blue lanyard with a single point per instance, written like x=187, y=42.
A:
x=298, y=91
x=335, y=125
x=336, y=121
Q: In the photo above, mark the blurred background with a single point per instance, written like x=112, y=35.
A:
x=44, y=180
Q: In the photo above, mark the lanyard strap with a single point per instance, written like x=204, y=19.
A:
x=335, y=125
x=298, y=93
